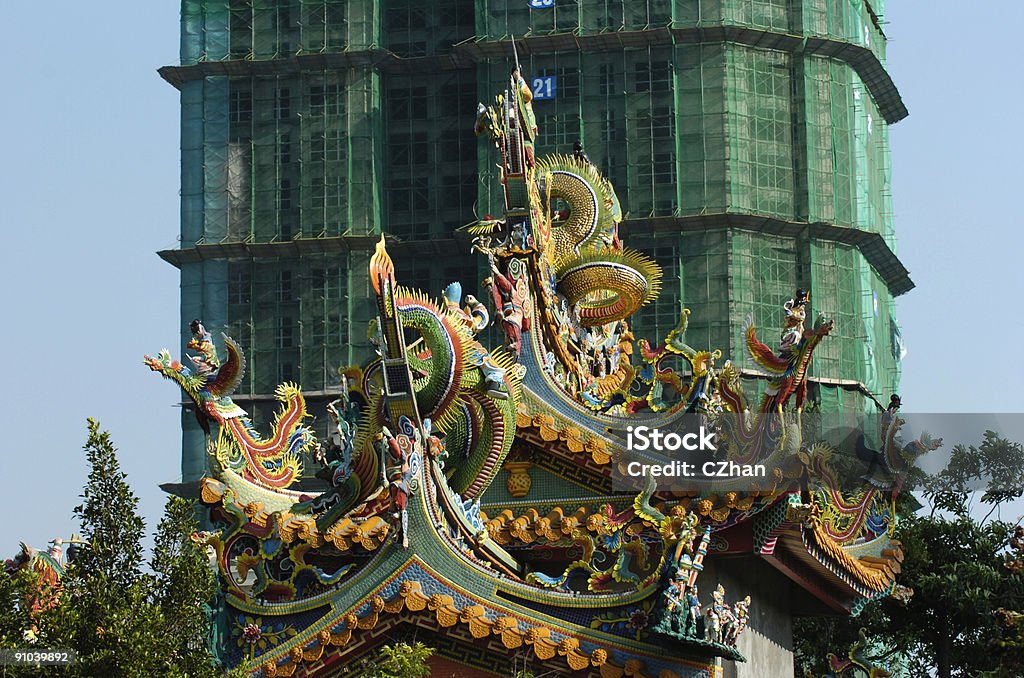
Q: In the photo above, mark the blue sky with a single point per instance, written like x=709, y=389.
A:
x=89, y=191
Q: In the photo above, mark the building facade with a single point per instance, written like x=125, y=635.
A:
x=747, y=140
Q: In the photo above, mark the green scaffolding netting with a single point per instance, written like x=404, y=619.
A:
x=297, y=150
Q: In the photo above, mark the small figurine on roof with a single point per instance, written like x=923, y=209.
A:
x=486, y=121
x=527, y=120
x=475, y=317
x=578, y=152
x=202, y=341
x=525, y=100
x=335, y=458
x=509, y=302
x=717, y=616
x=693, y=608
x=891, y=412
x=741, y=617
x=793, y=330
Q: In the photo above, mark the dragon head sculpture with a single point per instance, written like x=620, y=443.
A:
x=211, y=383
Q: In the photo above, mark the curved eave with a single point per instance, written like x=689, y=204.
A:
x=863, y=60
x=873, y=246
x=822, y=567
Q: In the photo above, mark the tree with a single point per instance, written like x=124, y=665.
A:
x=184, y=588
x=401, y=660
x=957, y=575
x=14, y=618
x=997, y=466
x=109, y=516
x=963, y=616
x=107, y=612
x=120, y=620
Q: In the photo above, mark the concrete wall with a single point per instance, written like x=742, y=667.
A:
x=767, y=643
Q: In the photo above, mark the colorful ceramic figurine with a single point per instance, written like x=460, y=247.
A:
x=793, y=330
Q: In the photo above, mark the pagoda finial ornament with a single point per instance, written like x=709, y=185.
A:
x=382, y=269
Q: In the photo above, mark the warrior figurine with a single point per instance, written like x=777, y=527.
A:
x=524, y=104
x=202, y=341
x=728, y=624
x=740, y=620
x=579, y=153
x=396, y=463
x=796, y=313
x=510, y=312
x=712, y=627
x=487, y=121
x=675, y=595
x=891, y=414
x=475, y=317
x=336, y=457
x=693, y=605
x=520, y=235
x=602, y=363
x=476, y=310
x=894, y=403
x=717, y=615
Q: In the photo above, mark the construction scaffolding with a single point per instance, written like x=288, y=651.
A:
x=747, y=141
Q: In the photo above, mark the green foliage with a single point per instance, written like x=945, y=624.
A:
x=184, y=587
x=14, y=618
x=997, y=465
x=109, y=516
x=120, y=620
x=401, y=660
x=957, y=574
x=963, y=617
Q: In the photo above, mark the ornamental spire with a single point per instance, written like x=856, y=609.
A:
x=381, y=267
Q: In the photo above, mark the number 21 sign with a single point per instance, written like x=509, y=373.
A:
x=544, y=87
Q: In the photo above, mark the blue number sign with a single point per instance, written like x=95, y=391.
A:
x=540, y=4
x=544, y=87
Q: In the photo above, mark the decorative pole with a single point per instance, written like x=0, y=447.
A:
x=515, y=54
x=698, y=558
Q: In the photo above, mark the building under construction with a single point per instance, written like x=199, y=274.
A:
x=747, y=140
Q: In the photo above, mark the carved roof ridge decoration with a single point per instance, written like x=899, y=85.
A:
x=878, y=574
x=483, y=618
x=558, y=524
x=368, y=533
